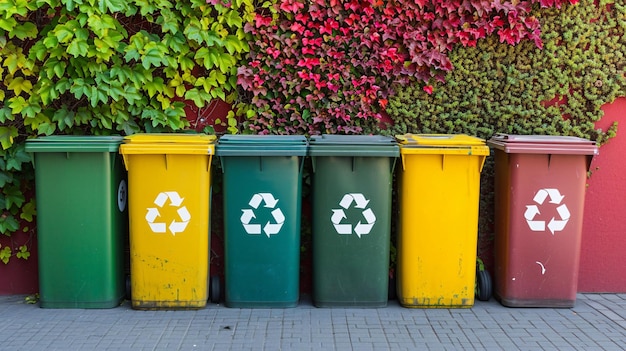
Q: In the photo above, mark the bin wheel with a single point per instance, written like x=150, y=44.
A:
x=484, y=285
x=128, y=292
x=215, y=289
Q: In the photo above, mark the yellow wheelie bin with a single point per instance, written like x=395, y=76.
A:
x=438, y=194
x=168, y=194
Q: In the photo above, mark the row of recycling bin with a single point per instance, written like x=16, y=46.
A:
x=94, y=191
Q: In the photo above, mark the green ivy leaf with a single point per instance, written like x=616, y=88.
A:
x=78, y=47
x=152, y=57
x=155, y=86
x=5, y=178
x=168, y=21
x=46, y=91
x=6, y=115
x=306, y=114
x=19, y=85
x=6, y=136
x=24, y=31
x=13, y=196
x=5, y=253
x=112, y=6
x=199, y=97
x=8, y=224
x=8, y=24
x=23, y=252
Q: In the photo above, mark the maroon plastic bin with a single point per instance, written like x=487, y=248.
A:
x=540, y=185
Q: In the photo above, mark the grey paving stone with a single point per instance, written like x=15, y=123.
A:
x=596, y=323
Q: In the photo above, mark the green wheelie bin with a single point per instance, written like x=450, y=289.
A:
x=352, y=183
x=82, y=220
x=262, y=182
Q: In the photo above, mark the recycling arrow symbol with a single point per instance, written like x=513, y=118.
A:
x=339, y=215
x=176, y=226
x=555, y=224
x=248, y=214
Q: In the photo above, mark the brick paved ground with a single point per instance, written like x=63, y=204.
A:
x=597, y=322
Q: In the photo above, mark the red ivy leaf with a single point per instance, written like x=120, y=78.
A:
x=339, y=60
x=291, y=6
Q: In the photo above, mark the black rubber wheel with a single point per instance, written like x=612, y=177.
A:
x=484, y=285
x=215, y=291
x=128, y=292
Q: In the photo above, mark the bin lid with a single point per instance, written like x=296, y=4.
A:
x=74, y=143
x=543, y=144
x=353, y=145
x=262, y=145
x=458, y=144
x=168, y=143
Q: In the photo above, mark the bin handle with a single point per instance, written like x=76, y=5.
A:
x=301, y=164
x=589, y=159
x=481, y=160
x=125, y=158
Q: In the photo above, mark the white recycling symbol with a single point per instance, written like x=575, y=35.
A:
x=176, y=225
x=555, y=225
x=248, y=214
x=361, y=203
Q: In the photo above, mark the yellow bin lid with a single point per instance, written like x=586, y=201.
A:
x=458, y=144
x=168, y=143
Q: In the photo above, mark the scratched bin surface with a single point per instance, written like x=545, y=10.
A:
x=352, y=181
x=169, y=186
x=438, y=190
x=262, y=186
x=539, y=199
x=81, y=220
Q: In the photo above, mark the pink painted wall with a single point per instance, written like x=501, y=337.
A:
x=603, y=252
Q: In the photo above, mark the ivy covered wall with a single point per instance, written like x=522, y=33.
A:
x=87, y=67
x=521, y=89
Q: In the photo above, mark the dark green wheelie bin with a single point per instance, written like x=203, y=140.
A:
x=262, y=182
x=82, y=220
x=352, y=184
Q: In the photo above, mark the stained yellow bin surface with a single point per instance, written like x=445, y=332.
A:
x=169, y=179
x=438, y=189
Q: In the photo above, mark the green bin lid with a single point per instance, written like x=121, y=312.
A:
x=353, y=145
x=543, y=144
x=262, y=145
x=168, y=143
x=74, y=143
x=458, y=144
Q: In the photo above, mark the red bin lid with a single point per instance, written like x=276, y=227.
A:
x=543, y=144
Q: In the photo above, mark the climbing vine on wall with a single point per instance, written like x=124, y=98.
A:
x=102, y=67
x=97, y=67
x=330, y=66
x=522, y=89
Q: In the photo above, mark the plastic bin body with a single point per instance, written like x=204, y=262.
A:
x=439, y=190
x=82, y=220
x=352, y=183
x=262, y=183
x=169, y=182
x=539, y=199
